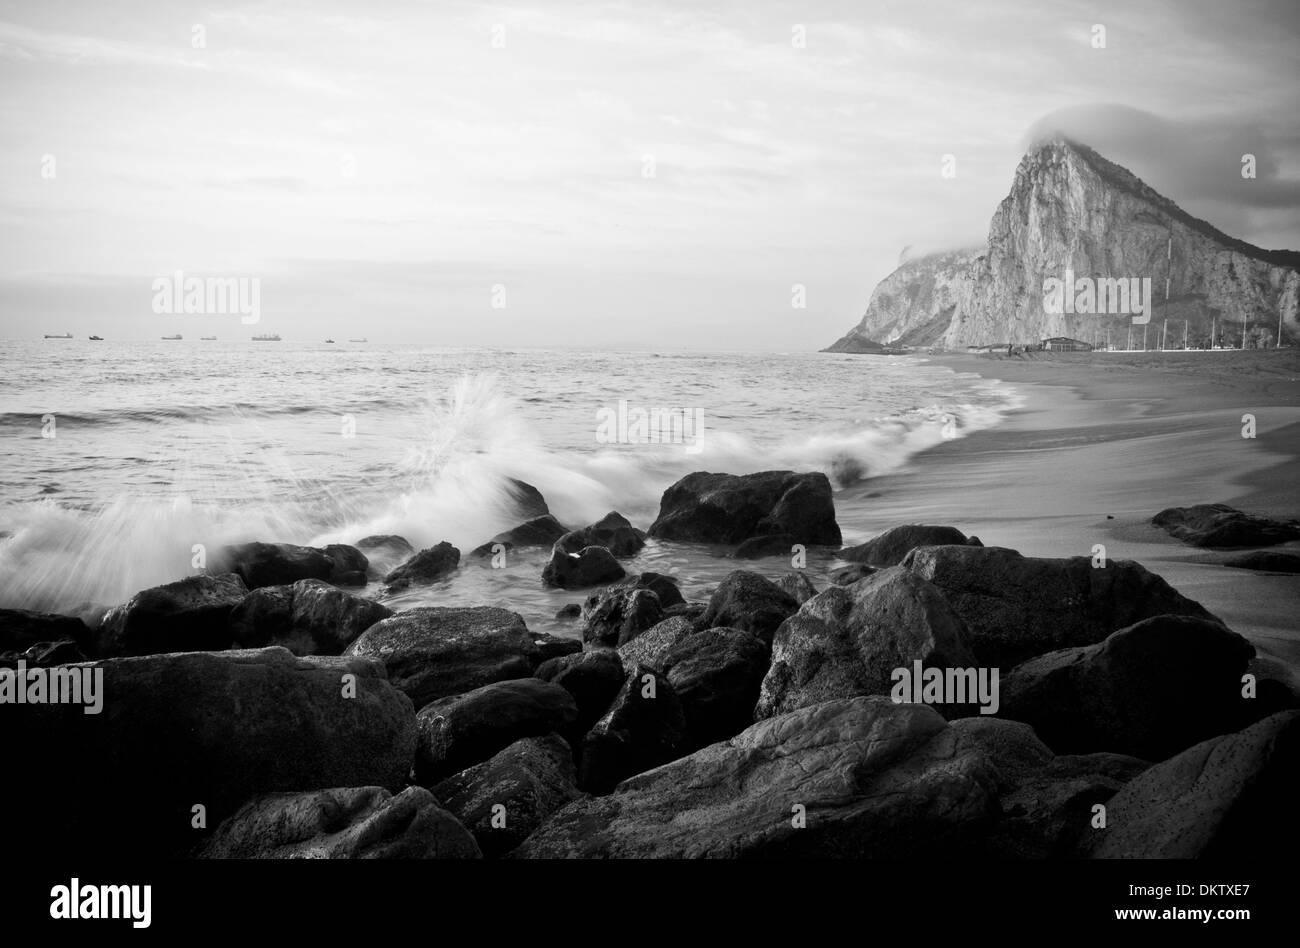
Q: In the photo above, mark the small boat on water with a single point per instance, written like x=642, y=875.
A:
x=269, y=337
x=329, y=340
x=356, y=340
x=173, y=338
x=208, y=338
x=96, y=338
x=66, y=335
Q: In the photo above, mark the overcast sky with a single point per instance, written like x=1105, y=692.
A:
x=642, y=174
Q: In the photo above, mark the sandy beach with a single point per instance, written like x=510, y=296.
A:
x=1102, y=442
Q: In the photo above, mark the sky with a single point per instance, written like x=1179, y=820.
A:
x=650, y=174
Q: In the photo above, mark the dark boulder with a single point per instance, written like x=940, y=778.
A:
x=730, y=508
x=189, y=615
x=432, y=652
x=643, y=728
x=554, y=646
x=528, y=499
x=206, y=729
x=342, y=823
x=716, y=674
x=1150, y=690
x=1218, y=525
x=853, y=778
x=276, y=564
x=750, y=602
x=462, y=730
x=569, y=612
x=538, y=532
x=20, y=629
x=503, y=800
x=384, y=553
x=350, y=565
x=890, y=547
x=310, y=617
x=1231, y=797
x=589, y=566
x=618, y=614
x=1016, y=607
x=593, y=678
x=848, y=641
x=650, y=647
x=427, y=566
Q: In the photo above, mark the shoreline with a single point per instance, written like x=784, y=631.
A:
x=1097, y=449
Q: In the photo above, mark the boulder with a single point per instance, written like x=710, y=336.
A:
x=615, y=533
x=890, y=547
x=538, y=532
x=276, y=564
x=528, y=499
x=1149, y=691
x=665, y=587
x=589, y=566
x=619, y=614
x=427, y=566
x=350, y=565
x=434, y=651
x=205, y=729
x=20, y=629
x=342, y=823
x=503, y=800
x=461, y=730
x=855, y=778
x=644, y=727
x=385, y=544
x=771, y=544
x=750, y=602
x=1270, y=561
x=569, y=612
x=848, y=641
x=189, y=615
x=797, y=586
x=384, y=553
x=730, y=508
x=592, y=678
x=716, y=674
x=554, y=646
x=1016, y=607
x=1046, y=815
x=310, y=617
x=650, y=647
x=1218, y=525
x=1230, y=797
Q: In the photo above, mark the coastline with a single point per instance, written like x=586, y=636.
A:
x=1101, y=444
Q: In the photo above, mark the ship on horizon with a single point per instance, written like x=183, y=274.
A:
x=174, y=338
x=66, y=335
x=356, y=340
x=207, y=338
x=96, y=338
x=269, y=337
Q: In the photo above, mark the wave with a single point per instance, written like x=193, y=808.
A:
x=454, y=484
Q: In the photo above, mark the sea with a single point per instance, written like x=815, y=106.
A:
x=123, y=461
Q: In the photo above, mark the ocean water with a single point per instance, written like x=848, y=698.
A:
x=120, y=457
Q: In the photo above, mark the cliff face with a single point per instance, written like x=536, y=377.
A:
x=1077, y=218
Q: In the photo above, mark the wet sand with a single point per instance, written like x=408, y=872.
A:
x=1102, y=443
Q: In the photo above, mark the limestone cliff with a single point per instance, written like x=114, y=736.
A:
x=1070, y=211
